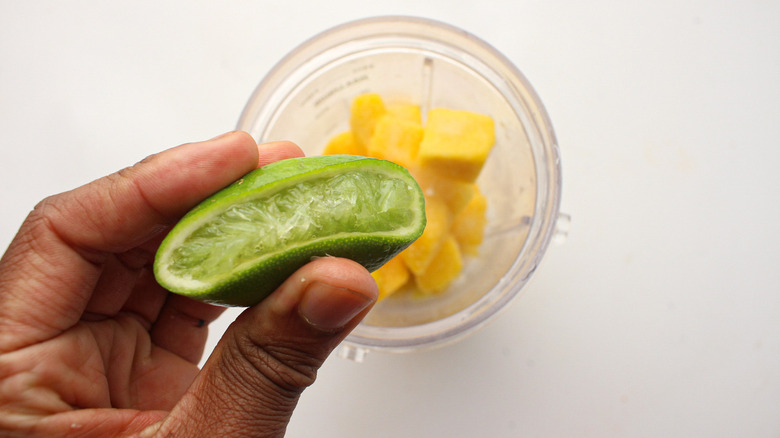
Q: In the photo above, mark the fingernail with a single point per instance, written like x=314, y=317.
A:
x=330, y=308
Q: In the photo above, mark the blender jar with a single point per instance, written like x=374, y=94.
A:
x=306, y=98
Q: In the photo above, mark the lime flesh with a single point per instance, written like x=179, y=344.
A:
x=239, y=245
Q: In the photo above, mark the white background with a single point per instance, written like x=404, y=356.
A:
x=659, y=317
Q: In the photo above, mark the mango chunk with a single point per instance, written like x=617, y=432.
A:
x=442, y=270
x=455, y=193
x=445, y=156
x=396, y=140
x=366, y=110
x=421, y=252
x=406, y=111
x=391, y=277
x=343, y=143
x=468, y=227
x=456, y=143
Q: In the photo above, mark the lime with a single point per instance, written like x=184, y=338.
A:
x=239, y=245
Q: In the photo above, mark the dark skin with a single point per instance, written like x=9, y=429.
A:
x=92, y=346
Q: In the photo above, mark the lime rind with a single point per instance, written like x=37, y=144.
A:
x=305, y=212
x=248, y=286
x=245, y=240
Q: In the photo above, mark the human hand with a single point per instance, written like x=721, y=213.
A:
x=92, y=346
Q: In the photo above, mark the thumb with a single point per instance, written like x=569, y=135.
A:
x=271, y=353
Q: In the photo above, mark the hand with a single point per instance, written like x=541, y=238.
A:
x=91, y=345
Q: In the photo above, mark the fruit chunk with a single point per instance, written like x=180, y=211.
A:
x=395, y=139
x=406, y=111
x=343, y=143
x=240, y=244
x=468, y=228
x=455, y=193
x=420, y=253
x=443, y=269
x=390, y=277
x=456, y=143
x=366, y=110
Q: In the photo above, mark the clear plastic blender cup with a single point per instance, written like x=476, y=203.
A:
x=306, y=98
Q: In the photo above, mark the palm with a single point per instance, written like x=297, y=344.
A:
x=154, y=378
x=134, y=347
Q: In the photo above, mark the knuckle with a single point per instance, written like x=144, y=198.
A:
x=126, y=173
x=288, y=369
x=43, y=211
x=43, y=221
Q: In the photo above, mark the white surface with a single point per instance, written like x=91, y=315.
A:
x=659, y=317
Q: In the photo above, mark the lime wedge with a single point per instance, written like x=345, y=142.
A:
x=239, y=245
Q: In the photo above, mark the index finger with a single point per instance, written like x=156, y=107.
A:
x=49, y=271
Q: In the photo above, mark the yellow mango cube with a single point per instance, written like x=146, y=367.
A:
x=468, y=227
x=456, y=143
x=455, y=193
x=391, y=277
x=365, y=111
x=406, y=111
x=396, y=140
x=343, y=143
x=421, y=252
x=443, y=269
x=445, y=156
